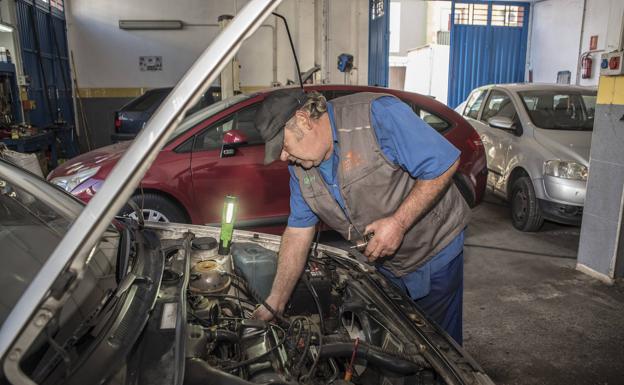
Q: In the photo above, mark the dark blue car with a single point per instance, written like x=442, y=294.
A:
x=131, y=118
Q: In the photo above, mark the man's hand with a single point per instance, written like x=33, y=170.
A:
x=389, y=231
x=388, y=237
x=293, y=255
x=264, y=314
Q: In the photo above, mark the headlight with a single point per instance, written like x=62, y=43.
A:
x=70, y=182
x=565, y=169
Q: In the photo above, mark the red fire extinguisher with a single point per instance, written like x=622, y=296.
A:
x=586, y=66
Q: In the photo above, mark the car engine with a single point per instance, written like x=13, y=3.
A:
x=331, y=332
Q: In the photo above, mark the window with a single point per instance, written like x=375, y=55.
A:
x=560, y=110
x=507, y=15
x=499, y=104
x=471, y=14
x=244, y=121
x=58, y=4
x=436, y=122
x=149, y=100
x=329, y=95
x=474, y=104
x=377, y=9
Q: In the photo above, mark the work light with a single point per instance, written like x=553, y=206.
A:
x=227, y=224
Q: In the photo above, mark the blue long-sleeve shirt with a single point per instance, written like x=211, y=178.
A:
x=407, y=141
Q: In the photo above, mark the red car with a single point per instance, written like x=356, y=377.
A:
x=217, y=151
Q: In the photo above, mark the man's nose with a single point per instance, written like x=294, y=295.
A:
x=284, y=156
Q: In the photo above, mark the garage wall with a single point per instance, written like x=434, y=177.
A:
x=413, y=25
x=556, y=28
x=107, y=58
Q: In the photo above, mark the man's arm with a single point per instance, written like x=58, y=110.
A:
x=293, y=254
x=389, y=231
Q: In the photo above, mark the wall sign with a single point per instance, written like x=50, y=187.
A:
x=150, y=63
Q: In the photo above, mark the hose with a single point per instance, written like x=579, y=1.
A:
x=373, y=355
x=259, y=299
x=221, y=335
x=198, y=372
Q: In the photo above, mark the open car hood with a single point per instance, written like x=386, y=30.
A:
x=36, y=307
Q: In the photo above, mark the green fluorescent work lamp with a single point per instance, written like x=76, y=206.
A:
x=227, y=224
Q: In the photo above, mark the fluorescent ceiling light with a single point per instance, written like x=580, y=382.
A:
x=151, y=24
x=5, y=27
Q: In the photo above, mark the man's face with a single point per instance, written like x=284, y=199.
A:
x=304, y=142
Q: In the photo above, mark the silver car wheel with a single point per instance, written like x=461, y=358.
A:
x=520, y=205
x=151, y=216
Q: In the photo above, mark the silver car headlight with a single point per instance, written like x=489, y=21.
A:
x=70, y=182
x=565, y=169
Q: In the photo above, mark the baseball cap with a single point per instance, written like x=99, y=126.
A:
x=275, y=111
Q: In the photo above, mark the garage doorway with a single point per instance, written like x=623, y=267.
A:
x=488, y=45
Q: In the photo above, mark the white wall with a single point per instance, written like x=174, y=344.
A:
x=413, y=25
x=107, y=57
x=347, y=32
x=437, y=18
x=556, y=35
x=602, y=18
x=427, y=71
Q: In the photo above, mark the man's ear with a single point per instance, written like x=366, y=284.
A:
x=303, y=120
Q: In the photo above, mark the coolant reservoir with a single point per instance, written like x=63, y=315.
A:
x=256, y=264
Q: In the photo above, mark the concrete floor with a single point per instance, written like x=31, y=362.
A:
x=529, y=316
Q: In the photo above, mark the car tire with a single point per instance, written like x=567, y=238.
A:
x=525, y=211
x=156, y=208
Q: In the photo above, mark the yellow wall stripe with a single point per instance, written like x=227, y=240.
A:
x=611, y=90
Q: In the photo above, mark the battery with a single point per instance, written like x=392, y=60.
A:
x=301, y=301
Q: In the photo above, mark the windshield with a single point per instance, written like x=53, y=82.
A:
x=201, y=115
x=24, y=218
x=34, y=217
x=558, y=110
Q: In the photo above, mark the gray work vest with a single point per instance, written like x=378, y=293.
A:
x=372, y=188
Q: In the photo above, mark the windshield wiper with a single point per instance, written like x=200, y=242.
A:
x=126, y=251
x=130, y=280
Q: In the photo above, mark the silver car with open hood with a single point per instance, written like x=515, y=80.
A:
x=88, y=298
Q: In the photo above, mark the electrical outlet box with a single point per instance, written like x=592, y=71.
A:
x=23, y=80
x=612, y=63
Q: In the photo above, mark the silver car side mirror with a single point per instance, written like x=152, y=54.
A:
x=502, y=122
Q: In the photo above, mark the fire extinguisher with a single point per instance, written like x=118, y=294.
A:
x=586, y=66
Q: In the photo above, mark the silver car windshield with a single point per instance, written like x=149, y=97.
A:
x=558, y=110
x=31, y=209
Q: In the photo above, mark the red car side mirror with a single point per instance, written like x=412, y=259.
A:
x=231, y=140
x=234, y=137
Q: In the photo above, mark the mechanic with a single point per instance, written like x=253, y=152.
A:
x=367, y=164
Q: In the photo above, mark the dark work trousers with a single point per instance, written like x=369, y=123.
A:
x=444, y=302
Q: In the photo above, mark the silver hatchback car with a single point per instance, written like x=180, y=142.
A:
x=537, y=139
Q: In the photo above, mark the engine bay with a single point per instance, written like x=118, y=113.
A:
x=332, y=331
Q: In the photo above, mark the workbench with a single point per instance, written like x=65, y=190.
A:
x=42, y=141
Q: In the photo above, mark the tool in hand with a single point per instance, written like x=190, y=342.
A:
x=361, y=246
